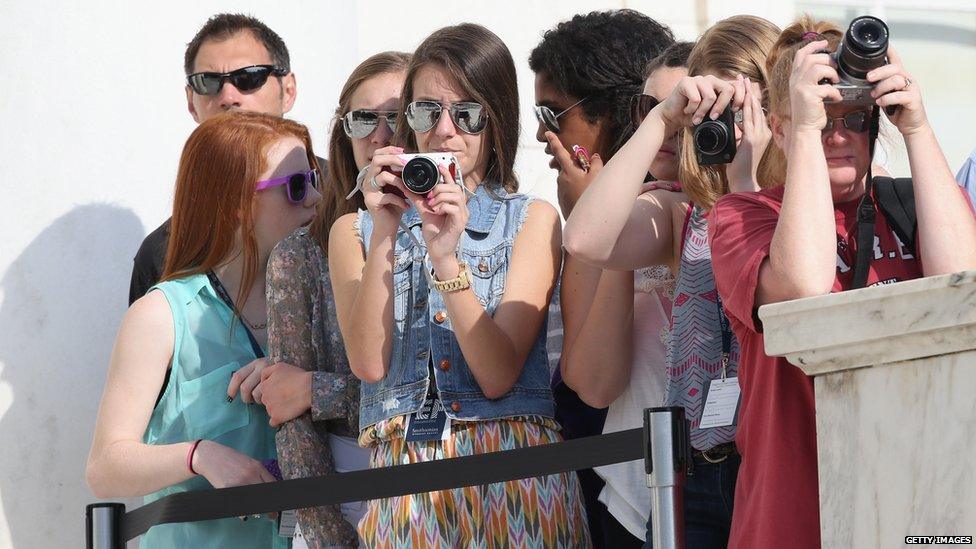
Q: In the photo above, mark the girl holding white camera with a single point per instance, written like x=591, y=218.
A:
x=442, y=299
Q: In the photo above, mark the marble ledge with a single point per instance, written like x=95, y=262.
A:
x=872, y=326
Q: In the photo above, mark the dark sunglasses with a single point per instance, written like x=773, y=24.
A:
x=550, y=119
x=640, y=106
x=857, y=122
x=244, y=79
x=296, y=184
x=468, y=116
x=361, y=123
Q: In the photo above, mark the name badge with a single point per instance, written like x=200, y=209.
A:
x=721, y=403
x=428, y=423
x=287, y=523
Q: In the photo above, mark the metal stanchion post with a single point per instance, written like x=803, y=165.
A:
x=103, y=526
x=666, y=458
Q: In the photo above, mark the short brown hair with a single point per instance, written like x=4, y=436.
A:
x=225, y=25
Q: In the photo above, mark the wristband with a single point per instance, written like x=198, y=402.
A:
x=189, y=455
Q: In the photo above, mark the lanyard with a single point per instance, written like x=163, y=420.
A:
x=225, y=297
x=726, y=334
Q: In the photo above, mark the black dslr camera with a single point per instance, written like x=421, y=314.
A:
x=715, y=139
x=863, y=49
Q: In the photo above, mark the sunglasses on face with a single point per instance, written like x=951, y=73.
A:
x=244, y=79
x=640, y=106
x=550, y=119
x=857, y=122
x=468, y=116
x=360, y=124
x=296, y=184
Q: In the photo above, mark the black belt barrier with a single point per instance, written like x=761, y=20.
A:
x=414, y=478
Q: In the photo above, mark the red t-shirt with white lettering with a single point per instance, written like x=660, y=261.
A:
x=776, y=497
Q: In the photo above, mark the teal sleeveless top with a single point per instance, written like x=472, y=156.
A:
x=194, y=405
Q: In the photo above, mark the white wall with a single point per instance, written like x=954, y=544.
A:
x=92, y=120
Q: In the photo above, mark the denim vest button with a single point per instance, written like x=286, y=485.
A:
x=422, y=321
x=445, y=365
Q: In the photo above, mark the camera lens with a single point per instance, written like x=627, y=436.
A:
x=864, y=47
x=868, y=35
x=420, y=175
x=710, y=137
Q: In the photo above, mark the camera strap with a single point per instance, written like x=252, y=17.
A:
x=866, y=211
x=458, y=180
x=428, y=269
x=360, y=177
x=896, y=200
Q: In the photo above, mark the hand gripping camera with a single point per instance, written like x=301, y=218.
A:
x=863, y=49
x=420, y=172
x=715, y=139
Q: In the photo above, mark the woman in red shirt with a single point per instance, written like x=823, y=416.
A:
x=799, y=240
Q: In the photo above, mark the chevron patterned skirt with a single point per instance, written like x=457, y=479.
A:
x=537, y=512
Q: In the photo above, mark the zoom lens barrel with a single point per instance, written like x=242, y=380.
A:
x=864, y=48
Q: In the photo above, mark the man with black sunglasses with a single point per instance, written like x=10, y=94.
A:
x=235, y=62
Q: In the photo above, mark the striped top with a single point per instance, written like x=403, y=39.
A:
x=695, y=351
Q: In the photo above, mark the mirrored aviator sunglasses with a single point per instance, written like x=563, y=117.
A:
x=468, y=116
x=641, y=105
x=550, y=119
x=361, y=123
x=244, y=79
x=296, y=184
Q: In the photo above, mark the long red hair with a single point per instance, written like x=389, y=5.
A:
x=219, y=168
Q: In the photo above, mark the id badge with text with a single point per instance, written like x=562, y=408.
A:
x=428, y=423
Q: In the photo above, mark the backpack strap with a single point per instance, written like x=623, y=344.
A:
x=896, y=198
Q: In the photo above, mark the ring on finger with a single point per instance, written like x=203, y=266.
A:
x=374, y=184
x=908, y=83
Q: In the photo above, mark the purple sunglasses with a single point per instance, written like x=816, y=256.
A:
x=296, y=184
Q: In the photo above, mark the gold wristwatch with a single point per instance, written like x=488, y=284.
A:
x=461, y=282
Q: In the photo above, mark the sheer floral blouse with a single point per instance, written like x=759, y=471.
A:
x=303, y=331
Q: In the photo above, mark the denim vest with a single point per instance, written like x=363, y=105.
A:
x=422, y=331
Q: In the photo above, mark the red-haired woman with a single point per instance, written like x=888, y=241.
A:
x=177, y=413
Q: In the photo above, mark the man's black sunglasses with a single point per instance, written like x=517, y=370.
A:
x=244, y=79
